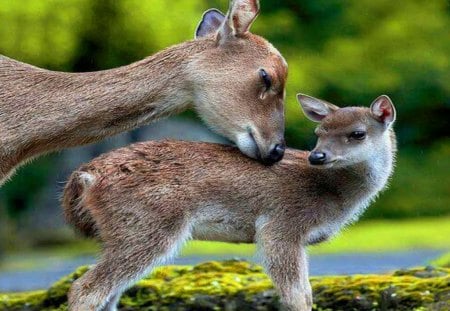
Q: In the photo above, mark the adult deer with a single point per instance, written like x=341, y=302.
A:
x=234, y=79
x=144, y=201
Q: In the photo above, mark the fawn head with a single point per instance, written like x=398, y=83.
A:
x=239, y=82
x=347, y=135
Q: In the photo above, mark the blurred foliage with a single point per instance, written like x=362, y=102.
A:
x=347, y=52
x=20, y=193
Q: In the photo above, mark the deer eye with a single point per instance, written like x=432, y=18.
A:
x=358, y=135
x=267, y=80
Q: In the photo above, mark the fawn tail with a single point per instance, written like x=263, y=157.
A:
x=73, y=201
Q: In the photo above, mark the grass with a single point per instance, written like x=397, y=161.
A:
x=32, y=259
x=363, y=237
x=395, y=235
x=443, y=261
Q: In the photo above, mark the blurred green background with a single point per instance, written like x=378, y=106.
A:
x=347, y=52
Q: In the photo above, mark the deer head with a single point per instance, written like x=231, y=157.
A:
x=239, y=83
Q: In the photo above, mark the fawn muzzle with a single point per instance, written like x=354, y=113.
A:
x=317, y=158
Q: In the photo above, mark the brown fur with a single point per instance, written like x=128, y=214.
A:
x=43, y=111
x=145, y=200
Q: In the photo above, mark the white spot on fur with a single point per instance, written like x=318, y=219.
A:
x=260, y=222
x=87, y=179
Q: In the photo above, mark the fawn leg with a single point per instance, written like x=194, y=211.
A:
x=287, y=264
x=121, y=265
x=111, y=305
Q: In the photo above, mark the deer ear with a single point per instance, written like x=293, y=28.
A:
x=315, y=109
x=239, y=18
x=383, y=110
x=210, y=23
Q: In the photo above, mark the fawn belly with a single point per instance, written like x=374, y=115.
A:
x=225, y=227
x=335, y=222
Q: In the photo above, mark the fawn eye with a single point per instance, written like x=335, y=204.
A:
x=267, y=80
x=358, y=135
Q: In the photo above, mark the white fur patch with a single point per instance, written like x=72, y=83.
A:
x=87, y=179
x=246, y=144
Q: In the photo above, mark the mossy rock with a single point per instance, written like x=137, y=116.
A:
x=238, y=285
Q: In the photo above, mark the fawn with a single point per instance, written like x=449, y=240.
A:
x=144, y=201
x=234, y=79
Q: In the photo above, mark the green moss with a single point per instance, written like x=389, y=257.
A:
x=21, y=301
x=403, y=290
x=237, y=285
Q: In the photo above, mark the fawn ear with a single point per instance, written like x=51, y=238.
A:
x=239, y=18
x=315, y=109
x=383, y=110
x=210, y=23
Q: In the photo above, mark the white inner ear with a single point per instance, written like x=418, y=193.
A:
x=377, y=111
x=316, y=107
x=245, y=21
x=321, y=110
x=240, y=17
x=314, y=116
x=383, y=109
x=377, y=108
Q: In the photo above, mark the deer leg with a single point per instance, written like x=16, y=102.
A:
x=121, y=265
x=287, y=265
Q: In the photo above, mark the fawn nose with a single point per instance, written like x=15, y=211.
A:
x=276, y=154
x=317, y=158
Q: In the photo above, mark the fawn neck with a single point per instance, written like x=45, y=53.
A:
x=349, y=190
x=102, y=103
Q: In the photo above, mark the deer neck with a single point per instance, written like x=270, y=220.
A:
x=70, y=109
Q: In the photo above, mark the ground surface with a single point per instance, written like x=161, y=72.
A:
x=366, y=247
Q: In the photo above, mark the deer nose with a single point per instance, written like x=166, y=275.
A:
x=317, y=158
x=276, y=154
